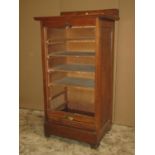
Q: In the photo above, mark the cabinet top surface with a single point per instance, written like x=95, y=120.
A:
x=108, y=14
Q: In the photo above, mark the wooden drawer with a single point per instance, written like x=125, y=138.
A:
x=72, y=120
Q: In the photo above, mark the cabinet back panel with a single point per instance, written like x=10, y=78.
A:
x=70, y=33
x=80, y=32
x=56, y=76
x=56, y=61
x=81, y=99
x=54, y=90
x=57, y=103
x=81, y=60
x=56, y=33
x=81, y=46
x=76, y=99
x=56, y=48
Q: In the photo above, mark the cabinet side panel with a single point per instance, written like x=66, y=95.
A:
x=44, y=67
x=104, y=71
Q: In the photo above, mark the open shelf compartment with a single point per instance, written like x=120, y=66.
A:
x=73, y=68
x=72, y=100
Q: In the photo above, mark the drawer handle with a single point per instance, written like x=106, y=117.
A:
x=68, y=25
x=49, y=41
x=69, y=118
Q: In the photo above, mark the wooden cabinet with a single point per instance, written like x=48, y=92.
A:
x=77, y=62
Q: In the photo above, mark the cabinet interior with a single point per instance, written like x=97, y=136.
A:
x=71, y=69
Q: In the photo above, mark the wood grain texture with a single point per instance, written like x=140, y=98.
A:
x=70, y=132
x=104, y=72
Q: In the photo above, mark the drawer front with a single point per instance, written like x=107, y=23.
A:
x=72, y=120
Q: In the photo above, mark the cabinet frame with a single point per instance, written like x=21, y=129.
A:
x=87, y=128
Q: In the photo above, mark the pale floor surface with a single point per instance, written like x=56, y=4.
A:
x=119, y=141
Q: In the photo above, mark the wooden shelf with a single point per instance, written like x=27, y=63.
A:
x=72, y=54
x=74, y=82
x=63, y=40
x=73, y=68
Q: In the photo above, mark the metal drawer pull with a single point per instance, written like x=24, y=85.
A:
x=49, y=41
x=69, y=118
x=68, y=25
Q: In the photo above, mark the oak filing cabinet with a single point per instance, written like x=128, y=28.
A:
x=77, y=62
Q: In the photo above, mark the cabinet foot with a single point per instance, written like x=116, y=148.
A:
x=94, y=146
x=46, y=131
x=46, y=134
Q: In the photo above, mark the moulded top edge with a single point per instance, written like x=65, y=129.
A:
x=47, y=18
x=55, y=18
x=106, y=12
x=109, y=14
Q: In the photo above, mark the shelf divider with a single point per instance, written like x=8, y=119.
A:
x=72, y=54
x=74, y=82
